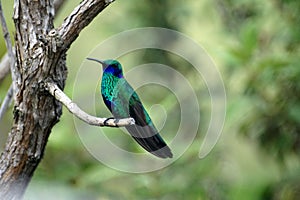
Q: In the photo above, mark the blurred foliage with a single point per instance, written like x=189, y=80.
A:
x=269, y=57
x=254, y=43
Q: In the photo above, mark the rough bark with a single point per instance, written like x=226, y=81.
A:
x=35, y=111
x=40, y=56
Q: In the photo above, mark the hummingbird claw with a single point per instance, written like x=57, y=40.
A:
x=105, y=121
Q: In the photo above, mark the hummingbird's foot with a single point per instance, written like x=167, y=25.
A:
x=105, y=121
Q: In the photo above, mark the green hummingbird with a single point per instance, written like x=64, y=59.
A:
x=123, y=102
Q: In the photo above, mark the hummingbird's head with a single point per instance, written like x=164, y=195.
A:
x=110, y=66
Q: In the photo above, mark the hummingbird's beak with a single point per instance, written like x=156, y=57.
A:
x=96, y=60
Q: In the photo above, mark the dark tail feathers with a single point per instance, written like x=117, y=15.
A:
x=155, y=145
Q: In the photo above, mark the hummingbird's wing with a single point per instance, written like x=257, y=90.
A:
x=124, y=103
x=144, y=131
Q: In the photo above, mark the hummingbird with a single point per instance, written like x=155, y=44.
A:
x=123, y=102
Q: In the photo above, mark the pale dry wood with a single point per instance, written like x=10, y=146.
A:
x=9, y=47
x=6, y=102
x=74, y=109
x=4, y=67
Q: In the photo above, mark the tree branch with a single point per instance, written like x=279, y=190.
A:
x=8, y=44
x=6, y=102
x=81, y=16
x=4, y=67
x=74, y=109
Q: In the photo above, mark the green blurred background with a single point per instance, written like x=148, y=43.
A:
x=255, y=45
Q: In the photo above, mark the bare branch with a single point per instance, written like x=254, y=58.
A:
x=6, y=102
x=74, y=109
x=8, y=44
x=81, y=16
x=4, y=67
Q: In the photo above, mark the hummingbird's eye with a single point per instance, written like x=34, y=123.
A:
x=113, y=66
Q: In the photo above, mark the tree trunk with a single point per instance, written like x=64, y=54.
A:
x=40, y=56
x=35, y=111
